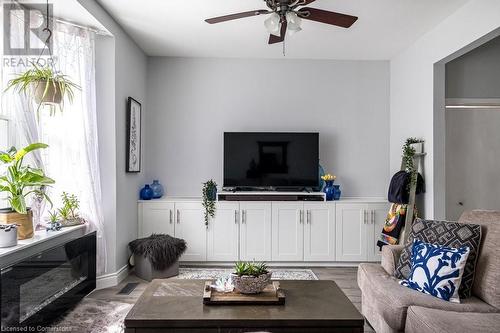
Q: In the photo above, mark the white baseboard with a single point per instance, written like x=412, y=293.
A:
x=112, y=279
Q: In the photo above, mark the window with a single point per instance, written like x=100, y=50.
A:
x=4, y=145
x=72, y=158
x=4, y=133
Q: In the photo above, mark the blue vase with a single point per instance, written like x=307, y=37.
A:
x=336, y=192
x=157, y=189
x=329, y=190
x=146, y=193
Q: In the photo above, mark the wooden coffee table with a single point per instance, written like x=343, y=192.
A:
x=177, y=306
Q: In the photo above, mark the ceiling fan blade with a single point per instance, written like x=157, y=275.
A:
x=275, y=39
x=230, y=17
x=324, y=16
x=303, y=3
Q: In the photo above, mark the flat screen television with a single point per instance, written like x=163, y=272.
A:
x=271, y=160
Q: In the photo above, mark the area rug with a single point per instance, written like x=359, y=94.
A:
x=214, y=273
x=93, y=316
x=98, y=316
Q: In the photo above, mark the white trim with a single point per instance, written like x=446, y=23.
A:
x=294, y=264
x=112, y=279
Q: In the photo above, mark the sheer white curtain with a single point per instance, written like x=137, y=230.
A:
x=72, y=158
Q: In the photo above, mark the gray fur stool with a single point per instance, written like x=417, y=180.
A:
x=157, y=256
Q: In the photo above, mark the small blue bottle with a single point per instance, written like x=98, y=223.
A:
x=146, y=193
x=157, y=189
x=336, y=192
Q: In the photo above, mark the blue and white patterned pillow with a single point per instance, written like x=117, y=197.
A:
x=437, y=270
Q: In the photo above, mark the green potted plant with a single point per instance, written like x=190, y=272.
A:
x=20, y=181
x=69, y=211
x=209, y=195
x=53, y=217
x=410, y=148
x=46, y=85
x=250, y=278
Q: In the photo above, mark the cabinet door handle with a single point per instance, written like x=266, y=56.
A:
x=235, y=216
x=243, y=216
x=365, y=215
x=178, y=217
x=302, y=216
x=373, y=216
x=171, y=217
x=308, y=212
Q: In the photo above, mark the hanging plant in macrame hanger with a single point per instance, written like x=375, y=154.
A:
x=44, y=83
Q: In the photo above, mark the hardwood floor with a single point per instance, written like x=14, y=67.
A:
x=345, y=277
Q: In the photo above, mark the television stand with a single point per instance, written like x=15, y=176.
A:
x=270, y=196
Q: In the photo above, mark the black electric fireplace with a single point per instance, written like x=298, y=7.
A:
x=40, y=288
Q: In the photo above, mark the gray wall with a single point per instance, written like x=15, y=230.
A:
x=472, y=160
x=121, y=73
x=418, y=91
x=105, y=105
x=475, y=74
x=191, y=102
x=472, y=135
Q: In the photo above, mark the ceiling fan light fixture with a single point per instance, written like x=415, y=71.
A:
x=294, y=22
x=273, y=24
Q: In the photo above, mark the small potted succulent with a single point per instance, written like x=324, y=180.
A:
x=250, y=278
x=69, y=211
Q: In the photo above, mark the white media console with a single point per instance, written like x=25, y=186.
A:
x=341, y=232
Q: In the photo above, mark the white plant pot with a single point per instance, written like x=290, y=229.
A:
x=419, y=147
x=8, y=235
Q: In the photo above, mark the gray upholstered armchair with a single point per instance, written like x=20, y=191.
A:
x=390, y=307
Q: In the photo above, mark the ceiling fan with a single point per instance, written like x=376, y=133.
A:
x=287, y=15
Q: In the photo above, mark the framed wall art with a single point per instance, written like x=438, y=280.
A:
x=133, y=163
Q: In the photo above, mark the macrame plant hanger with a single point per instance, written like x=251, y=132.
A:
x=50, y=60
x=46, y=44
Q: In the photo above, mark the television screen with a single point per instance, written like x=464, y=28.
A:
x=282, y=160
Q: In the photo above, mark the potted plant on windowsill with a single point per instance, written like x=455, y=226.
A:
x=20, y=181
x=250, y=278
x=46, y=86
x=69, y=211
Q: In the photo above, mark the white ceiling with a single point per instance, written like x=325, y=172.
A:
x=176, y=28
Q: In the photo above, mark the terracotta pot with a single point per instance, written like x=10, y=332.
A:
x=248, y=284
x=53, y=94
x=24, y=222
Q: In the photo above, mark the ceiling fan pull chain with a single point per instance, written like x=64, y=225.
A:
x=284, y=48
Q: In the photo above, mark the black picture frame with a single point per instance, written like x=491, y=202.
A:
x=134, y=132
